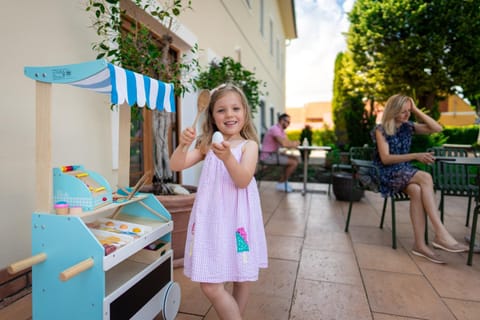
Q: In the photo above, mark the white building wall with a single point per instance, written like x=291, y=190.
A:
x=47, y=32
x=55, y=32
x=231, y=28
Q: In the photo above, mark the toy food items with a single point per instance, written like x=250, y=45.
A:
x=120, y=227
x=111, y=241
x=61, y=207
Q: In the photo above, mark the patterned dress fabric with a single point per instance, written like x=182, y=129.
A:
x=226, y=237
x=395, y=177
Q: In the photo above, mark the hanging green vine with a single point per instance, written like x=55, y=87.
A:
x=139, y=49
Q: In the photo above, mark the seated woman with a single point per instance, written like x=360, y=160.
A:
x=393, y=138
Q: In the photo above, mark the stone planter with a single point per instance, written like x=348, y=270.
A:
x=342, y=187
x=180, y=207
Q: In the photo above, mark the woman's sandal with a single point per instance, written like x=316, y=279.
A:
x=455, y=248
x=431, y=257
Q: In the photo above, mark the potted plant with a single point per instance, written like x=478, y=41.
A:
x=132, y=45
x=341, y=175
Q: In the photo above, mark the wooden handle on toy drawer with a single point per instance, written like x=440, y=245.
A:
x=76, y=269
x=26, y=263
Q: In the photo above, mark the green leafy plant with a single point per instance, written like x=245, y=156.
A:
x=130, y=44
x=229, y=71
x=138, y=49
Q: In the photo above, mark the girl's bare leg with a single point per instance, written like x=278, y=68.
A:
x=427, y=199
x=240, y=293
x=223, y=302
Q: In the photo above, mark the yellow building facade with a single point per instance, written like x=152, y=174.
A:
x=454, y=111
x=317, y=115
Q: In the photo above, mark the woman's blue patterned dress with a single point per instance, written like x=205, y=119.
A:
x=395, y=177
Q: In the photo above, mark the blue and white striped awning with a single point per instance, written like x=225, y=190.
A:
x=101, y=76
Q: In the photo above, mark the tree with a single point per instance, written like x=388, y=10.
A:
x=229, y=71
x=337, y=101
x=353, y=121
x=426, y=49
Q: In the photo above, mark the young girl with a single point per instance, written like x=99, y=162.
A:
x=226, y=238
x=393, y=138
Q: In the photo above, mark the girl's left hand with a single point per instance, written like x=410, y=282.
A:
x=221, y=150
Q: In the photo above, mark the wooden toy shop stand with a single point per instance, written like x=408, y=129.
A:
x=72, y=277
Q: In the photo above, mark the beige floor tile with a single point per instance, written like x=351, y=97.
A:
x=329, y=266
x=381, y=316
x=261, y=307
x=316, y=300
x=362, y=214
x=211, y=315
x=185, y=316
x=404, y=230
x=465, y=310
x=291, y=215
x=404, y=295
x=384, y=259
x=287, y=248
x=330, y=241
x=454, y=280
x=371, y=235
x=324, y=221
x=276, y=281
x=193, y=300
x=267, y=307
x=287, y=228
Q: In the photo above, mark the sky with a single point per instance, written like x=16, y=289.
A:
x=311, y=57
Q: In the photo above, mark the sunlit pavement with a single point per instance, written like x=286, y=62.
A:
x=317, y=271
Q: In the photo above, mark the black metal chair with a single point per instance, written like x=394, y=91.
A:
x=473, y=232
x=366, y=177
x=453, y=180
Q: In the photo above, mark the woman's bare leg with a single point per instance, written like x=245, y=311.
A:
x=417, y=215
x=425, y=183
x=223, y=302
x=240, y=293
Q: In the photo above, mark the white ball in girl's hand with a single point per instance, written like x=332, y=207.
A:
x=217, y=137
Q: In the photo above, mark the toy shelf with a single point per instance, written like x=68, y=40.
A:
x=112, y=286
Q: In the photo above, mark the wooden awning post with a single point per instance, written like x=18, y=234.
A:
x=43, y=154
x=124, y=147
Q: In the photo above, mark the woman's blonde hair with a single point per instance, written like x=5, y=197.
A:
x=248, y=131
x=393, y=108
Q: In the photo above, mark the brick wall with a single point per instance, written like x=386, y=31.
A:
x=14, y=287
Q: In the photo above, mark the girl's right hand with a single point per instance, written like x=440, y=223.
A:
x=187, y=137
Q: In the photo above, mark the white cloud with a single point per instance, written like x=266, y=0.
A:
x=311, y=57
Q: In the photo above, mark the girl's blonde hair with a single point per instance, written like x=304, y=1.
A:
x=248, y=131
x=393, y=108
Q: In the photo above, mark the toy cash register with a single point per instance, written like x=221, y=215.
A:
x=80, y=188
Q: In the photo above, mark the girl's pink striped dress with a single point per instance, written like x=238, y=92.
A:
x=226, y=236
